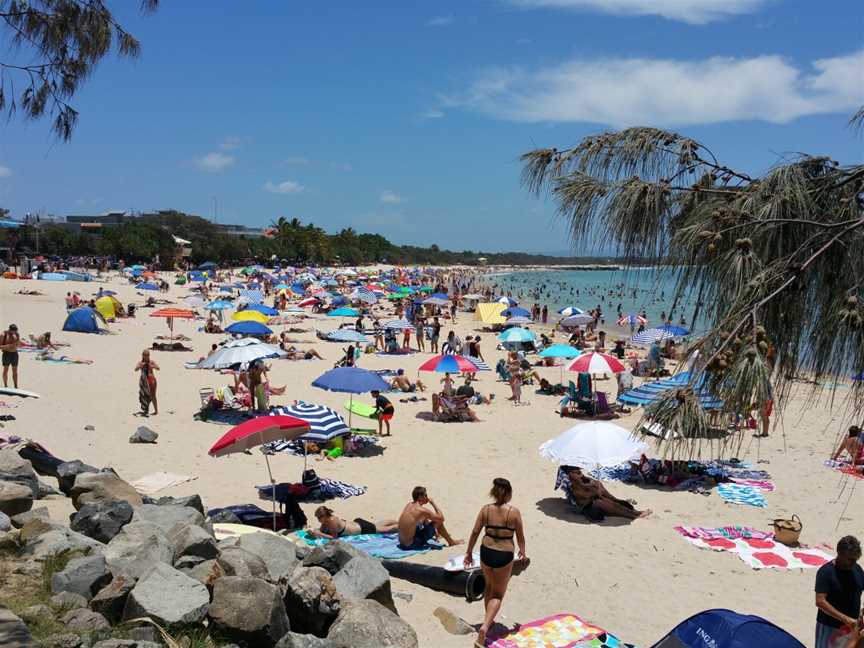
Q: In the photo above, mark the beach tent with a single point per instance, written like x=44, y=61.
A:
x=727, y=629
x=490, y=313
x=108, y=307
x=84, y=320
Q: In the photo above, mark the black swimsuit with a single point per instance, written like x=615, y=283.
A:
x=495, y=558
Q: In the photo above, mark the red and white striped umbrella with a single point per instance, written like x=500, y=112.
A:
x=595, y=363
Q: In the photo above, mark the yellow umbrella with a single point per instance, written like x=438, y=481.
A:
x=250, y=316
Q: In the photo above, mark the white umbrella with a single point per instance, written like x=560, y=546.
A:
x=577, y=320
x=518, y=321
x=435, y=301
x=242, y=352
x=597, y=444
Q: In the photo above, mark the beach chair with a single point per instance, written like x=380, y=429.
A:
x=570, y=402
x=453, y=409
x=501, y=370
x=206, y=394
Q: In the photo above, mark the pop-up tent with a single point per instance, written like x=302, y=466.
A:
x=108, y=307
x=84, y=320
x=490, y=313
x=727, y=629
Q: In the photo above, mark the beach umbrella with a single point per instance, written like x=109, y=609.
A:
x=517, y=321
x=398, y=325
x=309, y=301
x=338, y=300
x=195, y=301
x=324, y=423
x=170, y=313
x=631, y=320
x=350, y=380
x=255, y=433
x=226, y=289
x=560, y=351
x=264, y=310
x=650, y=392
x=435, y=301
x=207, y=265
x=516, y=311
x=347, y=335
x=577, y=320
x=676, y=331
x=240, y=352
x=509, y=301
x=596, y=363
x=593, y=445
x=364, y=294
x=344, y=312
x=138, y=266
x=449, y=363
x=472, y=297
x=281, y=286
x=252, y=296
x=249, y=315
x=146, y=286
x=219, y=305
x=248, y=328
x=567, y=311
x=651, y=335
x=516, y=334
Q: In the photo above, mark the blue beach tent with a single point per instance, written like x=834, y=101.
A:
x=727, y=629
x=83, y=320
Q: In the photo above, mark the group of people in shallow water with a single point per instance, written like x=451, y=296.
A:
x=423, y=520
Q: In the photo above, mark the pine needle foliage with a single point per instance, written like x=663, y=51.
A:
x=774, y=263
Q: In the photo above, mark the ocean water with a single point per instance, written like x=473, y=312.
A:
x=634, y=290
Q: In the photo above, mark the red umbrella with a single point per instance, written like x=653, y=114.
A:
x=595, y=363
x=257, y=432
x=170, y=313
x=449, y=363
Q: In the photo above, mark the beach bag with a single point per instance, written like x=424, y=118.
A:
x=310, y=479
x=787, y=532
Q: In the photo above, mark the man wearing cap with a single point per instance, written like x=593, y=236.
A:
x=9, y=343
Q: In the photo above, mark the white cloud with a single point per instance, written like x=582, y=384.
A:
x=624, y=92
x=696, y=12
x=5, y=171
x=231, y=143
x=440, y=21
x=214, y=162
x=432, y=113
x=390, y=198
x=285, y=187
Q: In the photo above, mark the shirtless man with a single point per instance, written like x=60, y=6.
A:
x=401, y=382
x=418, y=524
x=591, y=492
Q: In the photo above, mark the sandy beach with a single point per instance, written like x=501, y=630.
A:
x=637, y=580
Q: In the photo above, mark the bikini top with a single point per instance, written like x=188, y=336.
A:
x=500, y=528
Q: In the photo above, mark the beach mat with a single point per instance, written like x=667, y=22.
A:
x=378, y=545
x=150, y=484
x=557, y=631
x=763, y=553
x=740, y=494
x=845, y=468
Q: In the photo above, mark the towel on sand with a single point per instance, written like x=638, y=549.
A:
x=156, y=482
x=738, y=494
x=766, y=553
x=730, y=532
x=557, y=631
x=846, y=468
x=379, y=545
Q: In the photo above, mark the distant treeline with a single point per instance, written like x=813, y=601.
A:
x=150, y=235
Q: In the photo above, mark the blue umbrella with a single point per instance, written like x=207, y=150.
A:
x=567, y=311
x=254, y=296
x=650, y=392
x=226, y=289
x=515, y=311
x=440, y=295
x=338, y=300
x=347, y=335
x=352, y=380
x=560, y=351
x=264, y=310
x=248, y=328
x=507, y=300
x=218, y=305
x=676, y=331
x=516, y=334
x=147, y=286
x=207, y=265
x=344, y=312
x=281, y=286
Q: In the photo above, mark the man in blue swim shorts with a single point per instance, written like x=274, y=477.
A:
x=418, y=523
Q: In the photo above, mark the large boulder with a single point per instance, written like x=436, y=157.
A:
x=295, y=640
x=193, y=501
x=332, y=556
x=248, y=610
x=14, y=468
x=40, y=513
x=15, y=498
x=67, y=601
x=364, y=577
x=278, y=553
x=136, y=549
x=144, y=435
x=311, y=600
x=84, y=620
x=102, y=486
x=192, y=540
x=368, y=624
x=110, y=601
x=168, y=518
x=167, y=596
x=102, y=520
x=206, y=572
x=5, y=522
x=68, y=471
x=13, y=632
x=238, y=562
x=84, y=576
x=42, y=540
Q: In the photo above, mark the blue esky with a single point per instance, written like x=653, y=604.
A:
x=407, y=118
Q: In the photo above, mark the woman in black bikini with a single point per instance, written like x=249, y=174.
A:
x=501, y=522
x=332, y=526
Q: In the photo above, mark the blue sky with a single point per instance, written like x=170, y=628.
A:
x=407, y=118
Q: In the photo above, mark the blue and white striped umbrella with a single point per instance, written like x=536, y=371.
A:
x=567, y=311
x=324, y=423
x=364, y=294
x=650, y=392
x=347, y=335
x=648, y=336
x=254, y=296
x=398, y=325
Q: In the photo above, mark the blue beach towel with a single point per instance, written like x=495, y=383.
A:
x=739, y=494
x=379, y=545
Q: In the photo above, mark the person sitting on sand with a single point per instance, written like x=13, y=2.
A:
x=332, y=526
x=47, y=356
x=853, y=444
x=590, y=493
x=419, y=524
x=401, y=382
x=548, y=389
x=457, y=404
x=211, y=326
x=44, y=341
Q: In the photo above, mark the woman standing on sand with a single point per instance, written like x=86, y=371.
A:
x=501, y=521
x=147, y=383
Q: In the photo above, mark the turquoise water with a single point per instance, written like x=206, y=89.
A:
x=633, y=291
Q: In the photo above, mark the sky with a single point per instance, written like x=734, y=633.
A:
x=408, y=118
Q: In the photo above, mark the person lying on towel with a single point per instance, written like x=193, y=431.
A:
x=332, y=526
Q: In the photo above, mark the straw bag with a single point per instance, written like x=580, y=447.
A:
x=788, y=531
